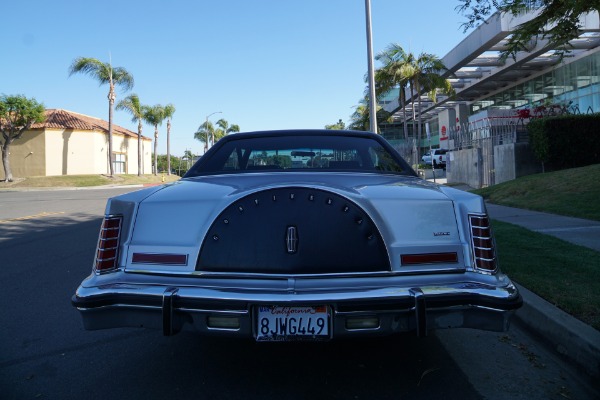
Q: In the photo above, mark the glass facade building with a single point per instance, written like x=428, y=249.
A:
x=573, y=85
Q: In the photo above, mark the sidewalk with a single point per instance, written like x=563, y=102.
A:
x=569, y=337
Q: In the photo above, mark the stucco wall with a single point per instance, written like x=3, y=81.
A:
x=128, y=145
x=27, y=155
x=69, y=152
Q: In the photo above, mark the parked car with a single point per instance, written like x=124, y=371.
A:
x=437, y=156
x=350, y=242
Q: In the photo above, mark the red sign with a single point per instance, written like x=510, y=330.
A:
x=444, y=137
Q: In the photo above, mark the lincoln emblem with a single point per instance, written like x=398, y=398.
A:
x=291, y=239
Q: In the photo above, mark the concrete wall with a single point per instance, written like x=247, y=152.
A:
x=525, y=161
x=504, y=163
x=511, y=161
x=463, y=166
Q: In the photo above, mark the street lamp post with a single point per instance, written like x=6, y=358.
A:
x=372, y=98
x=206, y=127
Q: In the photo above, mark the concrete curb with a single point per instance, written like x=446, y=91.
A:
x=572, y=339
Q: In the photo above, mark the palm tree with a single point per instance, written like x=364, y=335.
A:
x=154, y=116
x=396, y=72
x=427, y=71
x=104, y=73
x=360, y=119
x=204, y=133
x=224, y=129
x=132, y=105
x=169, y=110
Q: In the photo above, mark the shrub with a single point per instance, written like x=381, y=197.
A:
x=566, y=141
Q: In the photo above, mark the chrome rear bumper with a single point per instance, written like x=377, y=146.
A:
x=397, y=309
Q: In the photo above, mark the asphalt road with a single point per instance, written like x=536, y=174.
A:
x=47, y=240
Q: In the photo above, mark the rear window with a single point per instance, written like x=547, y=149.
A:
x=299, y=153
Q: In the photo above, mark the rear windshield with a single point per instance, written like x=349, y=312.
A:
x=300, y=153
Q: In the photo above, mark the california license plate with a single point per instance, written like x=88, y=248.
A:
x=282, y=323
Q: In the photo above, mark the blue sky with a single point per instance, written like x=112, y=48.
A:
x=266, y=64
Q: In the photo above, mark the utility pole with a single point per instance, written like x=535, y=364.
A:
x=372, y=98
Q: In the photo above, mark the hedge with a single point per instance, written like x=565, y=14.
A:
x=566, y=141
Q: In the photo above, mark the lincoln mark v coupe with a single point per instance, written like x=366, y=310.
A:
x=297, y=235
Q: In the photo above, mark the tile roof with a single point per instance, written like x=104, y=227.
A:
x=63, y=119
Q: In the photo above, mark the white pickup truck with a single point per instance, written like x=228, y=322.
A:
x=438, y=156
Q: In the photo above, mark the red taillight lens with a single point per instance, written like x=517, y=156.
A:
x=108, y=244
x=428, y=258
x=482, y=243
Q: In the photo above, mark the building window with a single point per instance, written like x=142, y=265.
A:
x=119, y=164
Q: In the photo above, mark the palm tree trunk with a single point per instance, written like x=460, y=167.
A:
x=155, y=150
x=419, y=124
x=168, y=147
x=414, y=117
x=111, y=103
x=139, y=147
x=403, y=103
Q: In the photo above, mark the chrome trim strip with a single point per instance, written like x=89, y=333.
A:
x=230, y=275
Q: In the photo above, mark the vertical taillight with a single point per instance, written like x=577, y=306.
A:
x=108, y=244
x=482, y=243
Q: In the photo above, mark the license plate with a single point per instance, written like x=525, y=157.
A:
x=282, y=323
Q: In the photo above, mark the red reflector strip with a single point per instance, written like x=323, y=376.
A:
x=428, y=258
x=170, y=259
x=108, y=244
x=482, y=243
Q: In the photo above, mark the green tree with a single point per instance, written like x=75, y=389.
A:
x=360, y=119
x=132, y=105
x=164, y=162
x=337, y=126
x=557, y=20
x=205, y=132
x=169, y=110
x=154, y=116
x=17, y=114
x=186, y=162
x=104, y=73
x=224, y=129
x=426, y=72
x=397, y=71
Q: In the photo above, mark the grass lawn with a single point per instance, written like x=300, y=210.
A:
x=564, y=274
x=573, y=192
x=86, y=180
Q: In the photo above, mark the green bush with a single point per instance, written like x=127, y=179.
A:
x=566, y=141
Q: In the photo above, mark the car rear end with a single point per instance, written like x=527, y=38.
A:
x=292, y=257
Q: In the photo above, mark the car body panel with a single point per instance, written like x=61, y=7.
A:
x=163, y=276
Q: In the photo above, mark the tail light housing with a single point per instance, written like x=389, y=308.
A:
x=108, y=244
x=482, y=243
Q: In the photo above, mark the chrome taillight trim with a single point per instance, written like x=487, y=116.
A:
x=481, y=231
x=108, y=233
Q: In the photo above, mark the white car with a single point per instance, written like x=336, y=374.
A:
x=349, y=242
x=437, y=155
